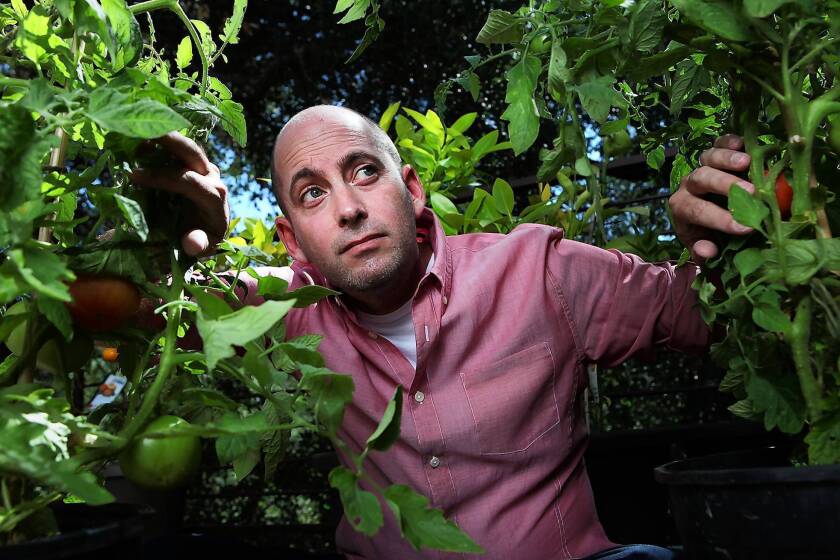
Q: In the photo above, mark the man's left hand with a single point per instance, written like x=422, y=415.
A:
x=697, y=221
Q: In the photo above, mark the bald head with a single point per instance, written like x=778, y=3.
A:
x=287, y=140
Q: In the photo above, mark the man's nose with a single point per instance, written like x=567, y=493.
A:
x=349, y=208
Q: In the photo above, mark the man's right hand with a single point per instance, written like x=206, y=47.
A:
x=198, y=181
x=697, y=221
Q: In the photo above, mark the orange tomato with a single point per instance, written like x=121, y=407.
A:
x=103, y=303
x=110, y=354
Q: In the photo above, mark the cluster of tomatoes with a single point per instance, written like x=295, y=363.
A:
x=101, y=304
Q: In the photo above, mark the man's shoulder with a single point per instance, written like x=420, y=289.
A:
x=524, y=237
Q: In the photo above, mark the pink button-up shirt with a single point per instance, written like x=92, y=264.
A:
x=493, y=425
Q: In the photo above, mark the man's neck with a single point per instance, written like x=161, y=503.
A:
x=390, y=298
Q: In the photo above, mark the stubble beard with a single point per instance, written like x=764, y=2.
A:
x=380, y=269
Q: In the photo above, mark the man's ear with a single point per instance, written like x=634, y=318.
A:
x=287, y=236
x=415, y=189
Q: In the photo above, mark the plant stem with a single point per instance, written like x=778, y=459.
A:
x=150, y=6
x=799, y=343
x=179, y=11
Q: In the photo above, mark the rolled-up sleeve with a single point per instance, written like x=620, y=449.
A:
x=621, y=306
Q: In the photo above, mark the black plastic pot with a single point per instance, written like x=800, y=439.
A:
x=751, y=505
x=109, y=531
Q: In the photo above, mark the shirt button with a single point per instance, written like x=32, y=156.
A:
x=445, y=301
x=434, y=462
x=419, y=396
x=373, y=335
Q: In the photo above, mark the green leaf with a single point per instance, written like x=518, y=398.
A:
x=360, y=506
x=656, y=157
x=716, y=16
x=430, y=122
x=762, y=8
x=647, y=22
x=330, y=391
x=463, y=123
x=233, y=24
x=442, y=205
x=804, y=258
x=237, y=328
x=388, y=430
x=679, y=169
x=258, y=366
x=748, y=261
x=470, y=82
x=272, y=287
x=776, y=393
x=374, y=26
x=743, y=409
x=242, y=450
x=522, y=113
x=767, y=313
x=657, y=64
x=128, y=41
x=746, y=209
x=43, y=271
x=133, y=214
x=31, y=37
x=302, y=355
x=501, y=27
x=484, y=146
x=112, y=110
x=598, y=95
x=205, y=37
x=357, y=10
x=824, y=441
x=57, y=314
x=40, y=95
x=503, y=196
x=233, y=121
x=209, y=397
x=691, y=78
x=245, y=463
x=22, y=149
x=423, y=526
x=558, y=73
x=388, y=116
x=306, y=295
x=184, y=54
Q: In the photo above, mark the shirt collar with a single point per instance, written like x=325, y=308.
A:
x=441, y=269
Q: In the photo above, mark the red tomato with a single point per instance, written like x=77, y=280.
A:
x=784, y=195
x=102, y=303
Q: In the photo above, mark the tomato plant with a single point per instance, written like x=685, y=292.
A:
x=766, y=70
x=161, y=462
x=84, y=89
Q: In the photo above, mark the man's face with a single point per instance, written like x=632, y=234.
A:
x=352, y=214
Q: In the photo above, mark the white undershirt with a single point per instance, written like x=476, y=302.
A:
x=397, y=326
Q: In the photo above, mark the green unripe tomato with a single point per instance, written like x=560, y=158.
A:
x=540, y=44
x=164, y=462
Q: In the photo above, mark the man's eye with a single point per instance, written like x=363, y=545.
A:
x=316, y=192
x=366, y=171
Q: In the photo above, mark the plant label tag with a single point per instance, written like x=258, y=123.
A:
x=108, y=390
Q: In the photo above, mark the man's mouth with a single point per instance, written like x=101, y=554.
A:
x=361, y=241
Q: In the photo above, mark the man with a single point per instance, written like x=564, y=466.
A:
x=490, y=335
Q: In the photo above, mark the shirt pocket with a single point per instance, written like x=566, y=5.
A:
x=512, y=400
